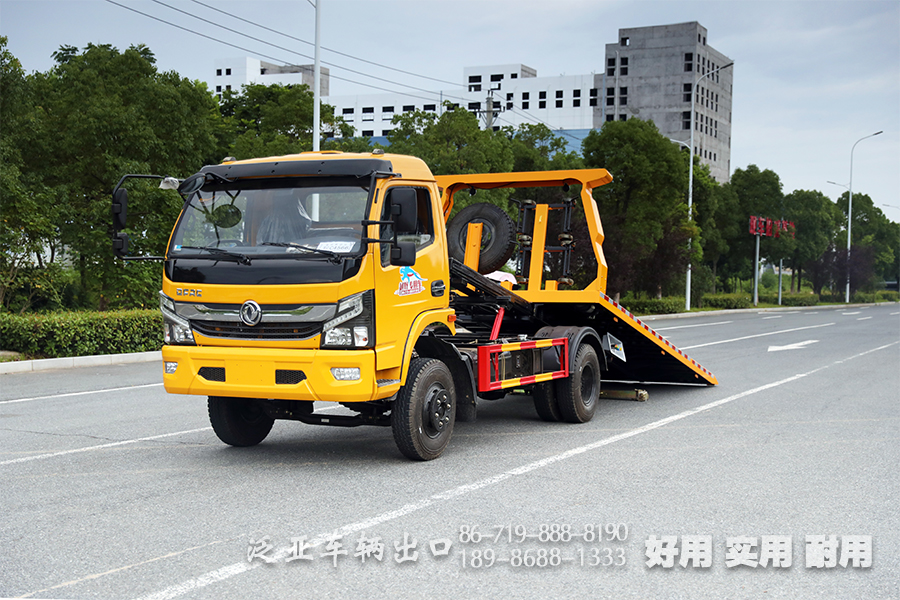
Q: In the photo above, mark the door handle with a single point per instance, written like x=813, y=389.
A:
x=438, y=288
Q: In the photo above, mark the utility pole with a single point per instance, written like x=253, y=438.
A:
x=756, y=273
x=317, y=82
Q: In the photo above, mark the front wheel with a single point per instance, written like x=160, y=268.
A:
x=424, y=412
x=239, y=421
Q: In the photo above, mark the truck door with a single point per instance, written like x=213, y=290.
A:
x=402, y=293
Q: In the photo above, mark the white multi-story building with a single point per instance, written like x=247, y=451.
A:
x=232, y=73
x=648, y=73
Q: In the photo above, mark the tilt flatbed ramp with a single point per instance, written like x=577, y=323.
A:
x=649, y=358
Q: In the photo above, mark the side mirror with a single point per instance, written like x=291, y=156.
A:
x=403, y=254
x=120, y=244
x=192, y=184
x=403, y=210
x=119, y=208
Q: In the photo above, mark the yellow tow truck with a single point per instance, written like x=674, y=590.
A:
x=335, y=277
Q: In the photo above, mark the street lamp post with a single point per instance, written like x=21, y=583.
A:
x=687, y=292
x=850, y=213
x=898, y=273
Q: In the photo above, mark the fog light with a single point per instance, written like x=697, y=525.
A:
x=346, y=373
x=171, y=367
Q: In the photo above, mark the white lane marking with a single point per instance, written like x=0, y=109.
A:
x=120, y=389
x=767, y=318
x=126, y=442
x=125, y=568
x=847, y=314
x=797, y=346
x=892, y=314
x=747, y=337
x=241, y=567
x=690, y=326
x=101, y=446
x=863, y=318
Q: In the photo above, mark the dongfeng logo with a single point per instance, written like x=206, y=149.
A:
x=251, y=313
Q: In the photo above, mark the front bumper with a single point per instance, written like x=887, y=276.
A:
x=251, y=373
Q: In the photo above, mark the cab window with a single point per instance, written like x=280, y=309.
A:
x=424, y=234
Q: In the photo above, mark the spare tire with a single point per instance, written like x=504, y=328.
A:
x=498, y=241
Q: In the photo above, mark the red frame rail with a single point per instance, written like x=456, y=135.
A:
x=489, y=364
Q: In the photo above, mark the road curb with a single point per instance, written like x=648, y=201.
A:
x=26, y=366
x=734, y=311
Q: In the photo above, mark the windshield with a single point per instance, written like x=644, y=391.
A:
x=268, y=219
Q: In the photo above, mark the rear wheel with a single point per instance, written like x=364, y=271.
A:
x=239, y=421
x=545, y=402
x=424, y=412
x=579, y=393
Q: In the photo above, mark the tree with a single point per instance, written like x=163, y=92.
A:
x=272, y=120
x=96, y=115
x=721, y=227
x=643, y=210
x=25, y=227
x=453, y=143
x=537, y=148
x=759, y=194
x=872, y=230
x=815, y=220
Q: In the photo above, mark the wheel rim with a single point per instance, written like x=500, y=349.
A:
x=487, y=234
x=588, y=383
x=436, y=411
x=251, y=412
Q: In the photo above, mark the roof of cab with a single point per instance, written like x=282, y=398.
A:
x=327, y=162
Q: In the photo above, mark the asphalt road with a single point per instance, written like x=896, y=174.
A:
x=114, y=489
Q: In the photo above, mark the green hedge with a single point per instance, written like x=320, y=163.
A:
x=790, y=299
x=60, y=334
x=727, y=301
x=863, y=297
x=653, y=306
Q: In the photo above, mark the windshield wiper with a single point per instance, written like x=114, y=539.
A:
x=241, y=259
x=323, y=252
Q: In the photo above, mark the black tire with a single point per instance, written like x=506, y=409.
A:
x=579, y=393
x=239, y=421
x=545, y=403
x=498, y=241
x=424, y=412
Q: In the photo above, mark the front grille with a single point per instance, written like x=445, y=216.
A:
x=288, y=377
x=263, y=331
x=212, y=373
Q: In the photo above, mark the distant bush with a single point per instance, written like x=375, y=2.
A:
x=790, y=299
x=863, y=297
x=887, y=296
x=653, y=306
x=727, y=301
x=61, y=334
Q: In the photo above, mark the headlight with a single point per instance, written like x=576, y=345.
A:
x=354, y=326
x=175, y=329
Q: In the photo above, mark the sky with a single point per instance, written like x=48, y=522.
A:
x=811, y=77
